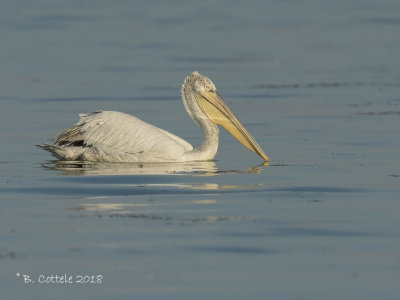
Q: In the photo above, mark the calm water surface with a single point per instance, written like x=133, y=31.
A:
x=316, y=82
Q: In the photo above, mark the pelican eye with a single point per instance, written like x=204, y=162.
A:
x=208, y=88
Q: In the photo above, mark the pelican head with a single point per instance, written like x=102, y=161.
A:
x=206, y=107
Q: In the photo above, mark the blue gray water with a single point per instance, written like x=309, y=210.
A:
x=316, y=82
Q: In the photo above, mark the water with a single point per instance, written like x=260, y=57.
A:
x=316, y=82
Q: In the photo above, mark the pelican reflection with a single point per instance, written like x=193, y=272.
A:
x=207, y=168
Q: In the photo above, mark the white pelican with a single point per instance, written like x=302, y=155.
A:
x=111, y=136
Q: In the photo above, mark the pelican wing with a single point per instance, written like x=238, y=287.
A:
x=111, y=133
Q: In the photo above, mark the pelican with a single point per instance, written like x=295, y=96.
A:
x=111, y=136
